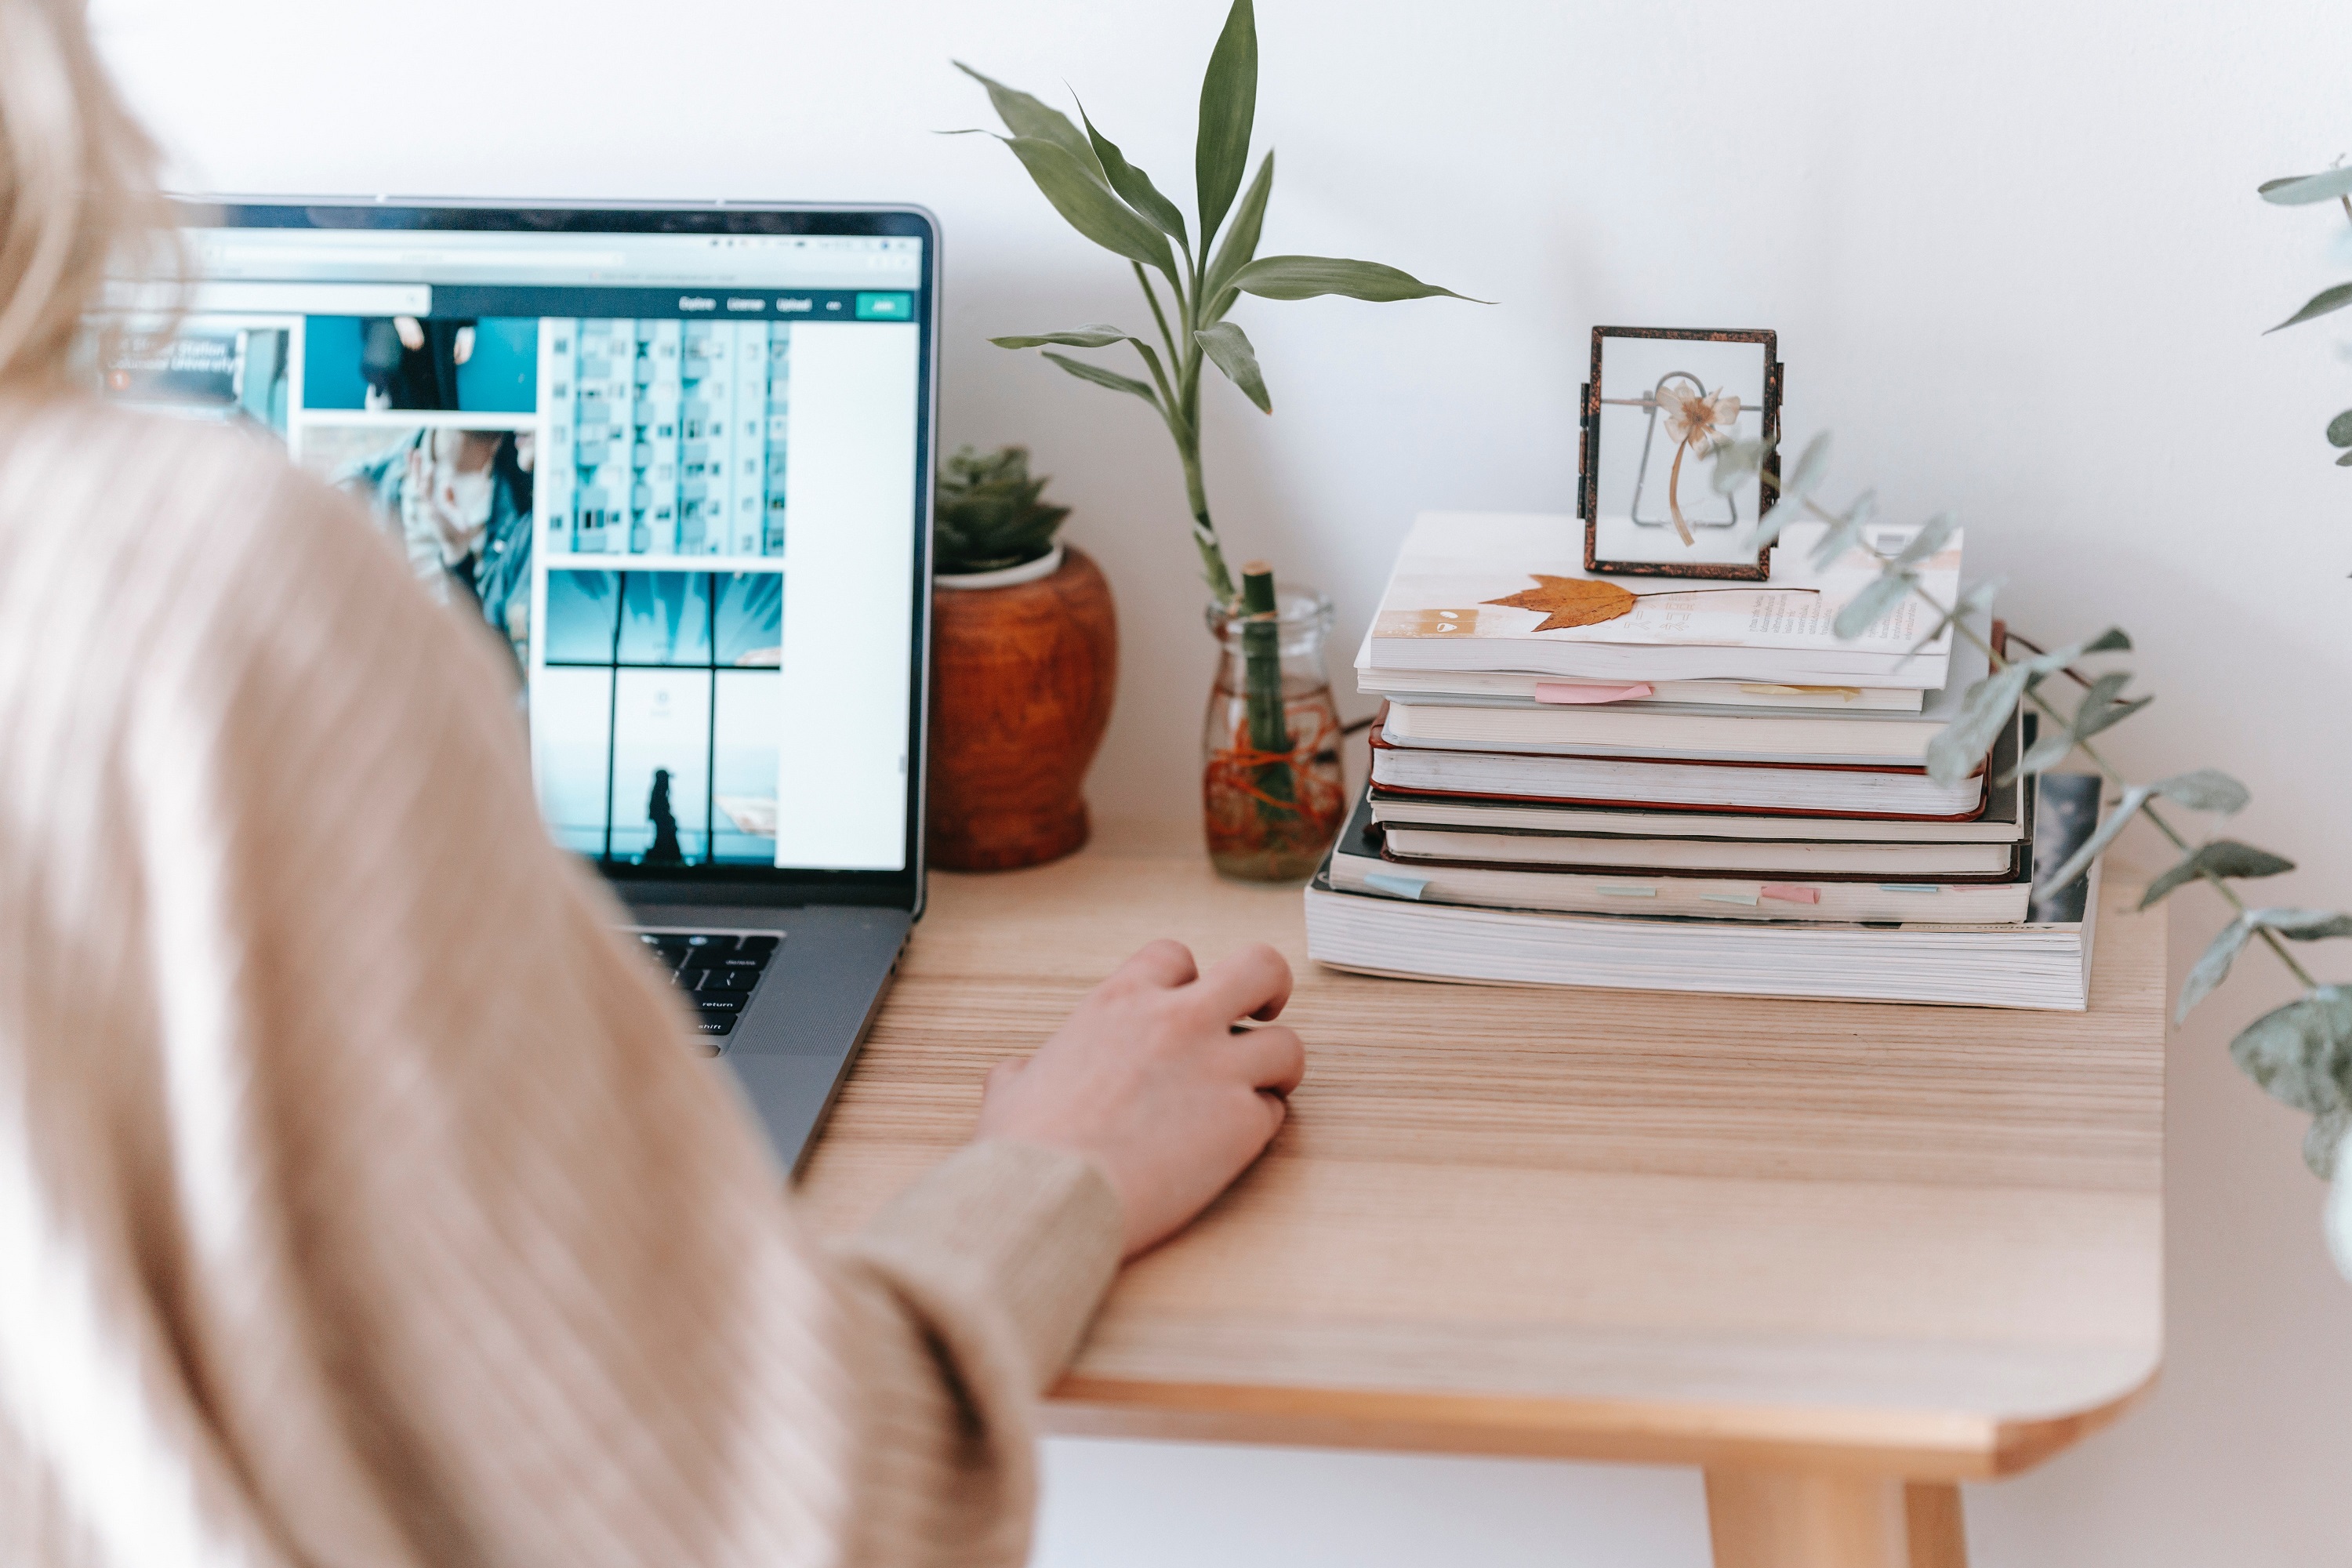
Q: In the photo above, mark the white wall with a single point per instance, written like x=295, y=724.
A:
x=2016, y=262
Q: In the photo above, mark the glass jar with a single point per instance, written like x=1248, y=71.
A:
x=1273, y=795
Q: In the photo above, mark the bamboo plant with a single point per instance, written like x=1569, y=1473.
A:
x=1203, y=272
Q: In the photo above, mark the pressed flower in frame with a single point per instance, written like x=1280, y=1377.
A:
x=1697, y=422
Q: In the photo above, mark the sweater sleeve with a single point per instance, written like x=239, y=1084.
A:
x=439, y=1242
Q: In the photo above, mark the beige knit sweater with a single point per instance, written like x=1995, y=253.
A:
x=360, y=1201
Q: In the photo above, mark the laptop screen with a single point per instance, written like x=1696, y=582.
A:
x=679, y=475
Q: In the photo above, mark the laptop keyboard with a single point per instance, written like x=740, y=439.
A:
x=717, y=970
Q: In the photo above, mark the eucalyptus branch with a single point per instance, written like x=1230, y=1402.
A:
x=2301, y=1052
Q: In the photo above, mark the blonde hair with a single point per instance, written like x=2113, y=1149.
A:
x=78, y=186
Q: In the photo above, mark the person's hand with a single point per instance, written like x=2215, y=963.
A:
x=1151, y=1079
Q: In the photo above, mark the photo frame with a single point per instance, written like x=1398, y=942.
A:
x=1659, y=400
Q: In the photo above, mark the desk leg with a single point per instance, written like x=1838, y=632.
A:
x=1933, y=1509
x=1802, y=1518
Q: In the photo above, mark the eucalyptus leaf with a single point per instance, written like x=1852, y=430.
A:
x=2320, y=304
x=2302, y=190
x=1306, y=277
x=2340, y=430
x=1812, y=465
x=1239, y=248
x=2047, y=753
x=1098, y=335
x=2323, y=1142
x=1228, y=112
x=1985, y=708
x=1841, y=535
x=2220, y=857
x=2100, y=709
x=1102, y=377
x=2303, y=925
x=2345, y=461
x=1862, y=612
x=2205, y=789
x=2117, y=818
x=1970, y=602
x=2089, y=724
x=1132, y=186
x=2299, y=1054
x=1932, y=536
x=1026, y=116
x=1086, y=204
x=2298, y=925
x=2214, y=967
x=1735, y=463
x=1230, y=348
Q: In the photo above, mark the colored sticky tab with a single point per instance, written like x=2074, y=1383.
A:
x=1629, y=892
x=1908, y=888
x=1402, y=886
x=1748, y=899
x=1789, y=893
x=1566, y=692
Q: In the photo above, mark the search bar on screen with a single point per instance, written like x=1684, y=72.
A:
x=314, y=299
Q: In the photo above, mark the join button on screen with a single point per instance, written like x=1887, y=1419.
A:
x=886, y=307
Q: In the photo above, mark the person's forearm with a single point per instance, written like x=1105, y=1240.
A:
x=960, y=1303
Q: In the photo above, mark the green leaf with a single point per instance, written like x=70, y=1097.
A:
x=2319, y=304
x=2117, y=818
x=2205, y=789
x=2345, y=461
x=1240, y=245
x=1133, y=185
x=2047, y=753
x=1102, y=377
x=2302, y=190
x=2303, y=925
x=1088, y=204
x=2299, y=1054
x=2296, y=925
x=1860, y=613
x=1230, y=348
x=1228, y=111
x=1932, y=536
x=2340, y=430
x=1099, y=335
x=2099, y=708
x=1839, y=536
x=1813, y=466
x=2221, y=858
x=2323, y=1143
x=1970, y=602
x=2214, y=967
x=1305, y=276
x=1985, y=710
x=1735, y=462
x=1026, y=116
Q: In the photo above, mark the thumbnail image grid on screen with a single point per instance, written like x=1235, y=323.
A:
x=656, y=715
x=667, y=437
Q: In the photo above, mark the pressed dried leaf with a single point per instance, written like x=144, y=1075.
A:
x=1570, y=601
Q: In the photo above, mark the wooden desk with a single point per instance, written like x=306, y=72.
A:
x=1842, y=1255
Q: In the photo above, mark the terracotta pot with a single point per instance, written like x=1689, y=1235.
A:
x=1020, y=690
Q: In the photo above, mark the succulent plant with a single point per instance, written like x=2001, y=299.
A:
x=988, y=515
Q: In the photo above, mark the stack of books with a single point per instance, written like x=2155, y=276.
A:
x=1704, y=790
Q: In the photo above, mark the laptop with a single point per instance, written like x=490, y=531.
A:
x=678, y=459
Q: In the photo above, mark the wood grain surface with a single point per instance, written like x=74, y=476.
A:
x=1919, y=1242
